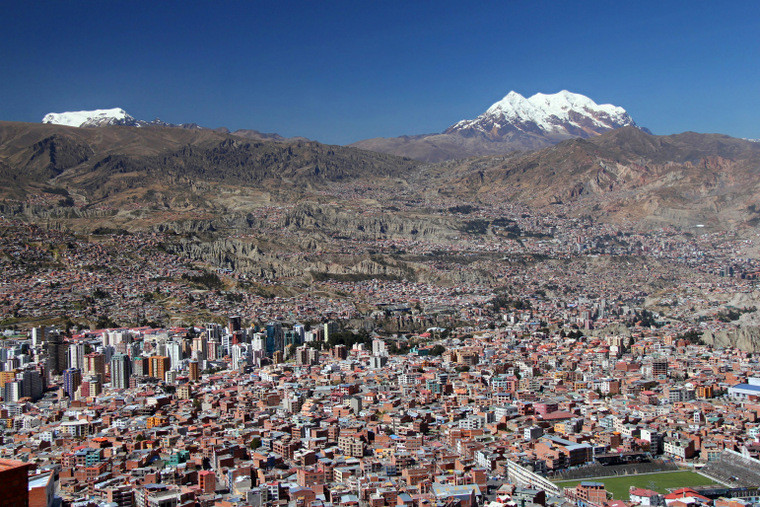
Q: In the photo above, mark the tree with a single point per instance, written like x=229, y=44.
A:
x=398, y=348
x=692, y=336
x=437, y=350
x=100, y=294
x=104, y=321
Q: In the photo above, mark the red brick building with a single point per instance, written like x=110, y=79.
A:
x=15, y=481
x=207, y=481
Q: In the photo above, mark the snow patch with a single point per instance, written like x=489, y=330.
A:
x=94, y=118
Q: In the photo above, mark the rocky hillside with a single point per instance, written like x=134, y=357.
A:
x=626, y=174
x=108, y=163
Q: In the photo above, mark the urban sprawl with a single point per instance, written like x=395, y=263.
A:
x=200, y=387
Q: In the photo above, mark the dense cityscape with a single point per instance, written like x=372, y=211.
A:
x=168, y=382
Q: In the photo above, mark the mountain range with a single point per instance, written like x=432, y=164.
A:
x=514, y=123
x=573, y=154
x=625, y=174
x=555, y=167
x=115, y=162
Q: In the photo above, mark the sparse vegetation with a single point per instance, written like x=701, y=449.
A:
x=210, y=281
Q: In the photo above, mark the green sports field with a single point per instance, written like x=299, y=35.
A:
x=661, y=482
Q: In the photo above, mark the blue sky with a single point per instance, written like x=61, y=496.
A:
x=339, y=72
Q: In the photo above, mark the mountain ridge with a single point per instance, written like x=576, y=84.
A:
x=626, y=174
x=111, y=161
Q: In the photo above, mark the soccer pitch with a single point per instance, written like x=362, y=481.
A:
x=662, y=482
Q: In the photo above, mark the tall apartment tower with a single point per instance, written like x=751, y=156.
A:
x=121, y=370
x=235, y=324
x=194, y=371
x=38, y=336
x=158, y=366
x=330, y=328
x=31, y=384
x=72, y=378
x=174, y=351
x=200, y=347
x=379, y=348
x=659, y=366
x=275, y=338
x=140, y=366
x=56, y=354
x=76, y=355
x=95, y=364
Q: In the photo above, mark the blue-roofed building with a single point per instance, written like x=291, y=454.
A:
x=748, y=391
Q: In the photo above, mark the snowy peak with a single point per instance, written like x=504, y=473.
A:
x=105, y=118
x=560, y=115
x=511, y=124
x=95, y=118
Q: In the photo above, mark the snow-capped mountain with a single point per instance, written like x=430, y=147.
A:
x=563, y=114
x=95, y=118
x=513, y=123
x=105, y=118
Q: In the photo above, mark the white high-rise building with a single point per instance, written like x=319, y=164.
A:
x=13, y=391
x=38, y=336
x=76, y=355
x=259, y=342
x=174, y=351
x=113, y=338
x=379, y=348
x=214, y=331
x=240, y=355
x=226, y=344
